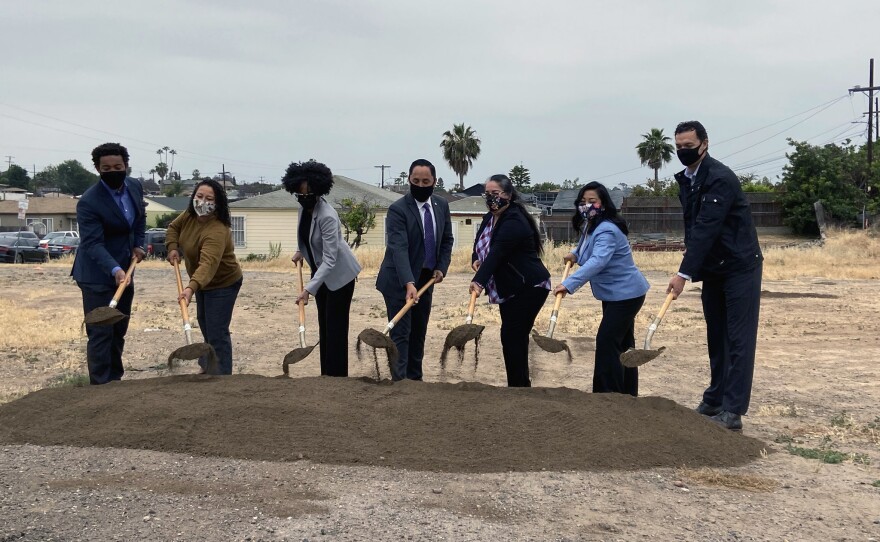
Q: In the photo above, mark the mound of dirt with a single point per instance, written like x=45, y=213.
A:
x=463, y=427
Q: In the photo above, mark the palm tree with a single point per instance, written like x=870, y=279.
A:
x=173, y=153
x=655, y=151
x=461, y=146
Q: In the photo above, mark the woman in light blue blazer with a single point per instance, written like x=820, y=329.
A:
x=334, y=268
x=606, y=262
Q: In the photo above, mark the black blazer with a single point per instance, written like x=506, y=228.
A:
x=513, y=259
x=106, y=239
x=719, y=233
x=405, y=248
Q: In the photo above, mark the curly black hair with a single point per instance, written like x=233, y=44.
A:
x=316, y=175
x=109, y=149
x=221, y=200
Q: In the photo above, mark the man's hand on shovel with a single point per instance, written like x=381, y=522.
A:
x=303, y=298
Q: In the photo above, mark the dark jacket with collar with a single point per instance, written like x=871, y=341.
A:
x=405, y=245
x=513, y=258
x=719, y=233
x=106, y=238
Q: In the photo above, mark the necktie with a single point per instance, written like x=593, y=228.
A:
x=430, y=242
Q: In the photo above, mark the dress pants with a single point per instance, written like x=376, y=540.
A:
x=615, y=336
x=409, y=333
x=333, y=313
x=104, y=349
x=214, y=313
x=518, y=315
x=731, y=305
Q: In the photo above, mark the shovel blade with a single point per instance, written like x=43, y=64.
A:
x=195, y=351
x=295, y=356
x=636, y=358
x=460, y=335
x=103, y=316
x=547, y=344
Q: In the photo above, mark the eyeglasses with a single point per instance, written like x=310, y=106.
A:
x=487, y=195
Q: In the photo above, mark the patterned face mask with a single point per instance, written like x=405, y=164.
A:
x=203, y=208
x=591, y=212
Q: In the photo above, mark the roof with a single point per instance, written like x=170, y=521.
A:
x=475, y=190
x=42, y=206
x=343, y=188
x=177, y=203
x=565, y=200
x=477, y=205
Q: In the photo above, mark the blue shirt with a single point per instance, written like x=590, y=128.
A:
x=126, y=205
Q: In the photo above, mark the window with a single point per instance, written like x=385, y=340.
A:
x=238, y=231
x=41, y=226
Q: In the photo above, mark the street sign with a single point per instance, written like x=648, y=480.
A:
x=21, y=213
x=23, y=205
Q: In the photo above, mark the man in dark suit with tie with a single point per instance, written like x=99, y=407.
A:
x=419, y=247
x=111, y=220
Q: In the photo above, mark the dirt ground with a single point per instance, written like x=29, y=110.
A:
x=174, y=456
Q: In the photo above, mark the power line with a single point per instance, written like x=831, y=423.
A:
x=828, y=103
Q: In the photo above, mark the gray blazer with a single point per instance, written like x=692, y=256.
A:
x=336, y=265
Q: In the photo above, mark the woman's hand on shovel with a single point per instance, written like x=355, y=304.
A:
x=173, y=257
x=186, y=295
x=303, y=298
x=477, y=288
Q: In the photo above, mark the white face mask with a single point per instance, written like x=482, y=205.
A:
x=203, y=208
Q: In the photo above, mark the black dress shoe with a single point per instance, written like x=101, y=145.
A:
x=728, y=420
x=708, y=410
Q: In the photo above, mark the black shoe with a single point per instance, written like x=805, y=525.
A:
x=729, y=420
x=708, y=410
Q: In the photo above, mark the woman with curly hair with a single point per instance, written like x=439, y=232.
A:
x=334, y=267
x=203, y=236
x=606, y=262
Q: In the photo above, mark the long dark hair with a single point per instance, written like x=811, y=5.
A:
x=220, y=200
x=577, y=221
x=515, y=200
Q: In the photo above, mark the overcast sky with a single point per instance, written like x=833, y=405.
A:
x=564, y=87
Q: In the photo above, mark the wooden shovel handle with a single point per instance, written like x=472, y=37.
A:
x=184, y=313
x=472, y=304
x=302, y=307
x=665, y=306
x=408, y=304
x=124, y=283
x=559, y=295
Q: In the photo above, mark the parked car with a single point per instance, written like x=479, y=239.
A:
x=58, y=237
x=63, y=246
x=20, y=249
x=154, y=242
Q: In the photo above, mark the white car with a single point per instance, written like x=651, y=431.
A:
x=57, y=238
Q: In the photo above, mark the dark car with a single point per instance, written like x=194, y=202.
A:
x=154, y=242
x=63, y=246
x=20, y=249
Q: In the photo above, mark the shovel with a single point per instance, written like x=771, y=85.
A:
x=460, y=335
x=633, y=357
x=299, y=354
x=548, y=343
x=191, y=350
x=109, y=315
x=378, y=339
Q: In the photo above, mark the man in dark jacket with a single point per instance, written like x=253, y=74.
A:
x=419, y=247
x=721, y=249
x=111, y=220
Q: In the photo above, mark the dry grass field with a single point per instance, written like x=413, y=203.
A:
x=816, y=405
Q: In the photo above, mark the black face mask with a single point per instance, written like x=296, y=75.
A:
x=114, y=179
x=689, y=157
x=496, y=203
x=308, y=201
x=421, y=193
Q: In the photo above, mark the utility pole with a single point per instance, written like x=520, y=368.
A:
x=383, y=167
x=9, y=162
x=870, y=90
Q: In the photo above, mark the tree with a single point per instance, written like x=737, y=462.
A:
x=571, y=184
x=174, y=189
x=655, y=150
x=358, y=217
x=73, y=178
x=836, y=175
x=751, y=183
x=161, y=170
x=661, y=187
x=162, y=221
x=461, y=147
x=16, y=177
x=546, y=186
x=48, y=178
x=520, y=178
x=401, y=179
x=196, y=173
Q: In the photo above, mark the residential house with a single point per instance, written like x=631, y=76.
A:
x=272, y=218
x=10, y=193
x=162, y=205
x=467, y=214
x=43, y=215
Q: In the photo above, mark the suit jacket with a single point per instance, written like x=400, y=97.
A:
x=606, y=261
x=405, y=248
x=335, y=264
x=513, y=258
x=106, y=238
x=719, y=233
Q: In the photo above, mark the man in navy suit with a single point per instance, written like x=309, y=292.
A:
x=419, y=247
x=111, y=220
